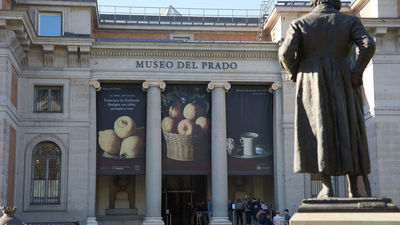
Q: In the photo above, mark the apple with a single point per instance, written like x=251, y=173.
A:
x=109, y=141
x=192, y=111
x=169, y=124
x=132, y=147
x=176, y=111
x=124, y=127
x=187, y=127
x=204, y=123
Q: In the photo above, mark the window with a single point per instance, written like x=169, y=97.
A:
x=316, y=185
x=182, y=38
x=48, y=99
x=46, y=171
x=50, y=24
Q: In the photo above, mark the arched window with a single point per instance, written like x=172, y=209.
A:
x=46, y=174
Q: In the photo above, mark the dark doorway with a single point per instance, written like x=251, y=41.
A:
x=178, y=191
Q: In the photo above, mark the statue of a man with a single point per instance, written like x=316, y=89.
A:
x=330, y=137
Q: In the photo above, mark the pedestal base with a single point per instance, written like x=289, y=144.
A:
x=345, y=218
x=348, y=205
x=153, y=221
x=347, y=211
x=220, y=221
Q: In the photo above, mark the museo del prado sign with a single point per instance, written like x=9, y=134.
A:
x=168, y=64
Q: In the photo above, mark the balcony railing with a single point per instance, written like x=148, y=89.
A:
x=184, y=16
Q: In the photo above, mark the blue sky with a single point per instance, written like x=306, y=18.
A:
x=221, y=4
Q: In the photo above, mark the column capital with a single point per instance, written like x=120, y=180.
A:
x=214, y=84
x=275, y=86
x=153, y=83
x=95, y=84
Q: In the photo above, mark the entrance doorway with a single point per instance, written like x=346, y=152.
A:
x=178, y=191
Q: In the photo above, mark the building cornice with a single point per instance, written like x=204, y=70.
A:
x=19, y=20
x=252, y=50
x=58, y=3
x=186, y=28
x=179, y=54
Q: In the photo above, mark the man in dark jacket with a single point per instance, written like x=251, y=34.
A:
x=330, y=137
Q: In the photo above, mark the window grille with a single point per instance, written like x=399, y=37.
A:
x=48, y=99
x=316, y=185
x=46, y=172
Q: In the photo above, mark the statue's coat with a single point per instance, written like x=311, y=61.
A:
x=330, y=135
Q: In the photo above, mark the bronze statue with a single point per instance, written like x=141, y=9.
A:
x=330, y=137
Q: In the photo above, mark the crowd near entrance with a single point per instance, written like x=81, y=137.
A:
x=180, y=193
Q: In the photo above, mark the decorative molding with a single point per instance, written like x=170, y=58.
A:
x=218, y=84
x=84, y=55
x=48, y=55
x=155, y=53
x=73, y=59
x=96, y=84
x=153, y=83
x=398, y=40
x=379, y=35
x=275, y=86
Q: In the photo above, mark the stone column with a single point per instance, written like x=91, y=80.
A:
x=219, y=165
x=91, y=210
x=153, y=152
x=279, y=154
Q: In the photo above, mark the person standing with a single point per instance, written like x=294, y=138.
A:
x=263, y=216
x=230, y=214
x=256, y=208
x=287, y=216
x=189, y=213
x=277, y=219
x=248, y=208
x=239, y=212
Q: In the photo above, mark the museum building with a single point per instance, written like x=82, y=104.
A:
x=117, y=115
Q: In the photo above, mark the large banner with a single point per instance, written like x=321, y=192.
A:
x=249, y=130
x=186, y=128
x=121, y=120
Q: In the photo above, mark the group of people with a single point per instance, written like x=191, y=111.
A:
x=200, y=212
x=252, y=210
x=255, y=212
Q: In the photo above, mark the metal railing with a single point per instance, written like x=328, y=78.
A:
x=190, y=16
x=268, y=5
x=52, y=223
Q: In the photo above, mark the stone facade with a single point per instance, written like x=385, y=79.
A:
x=91, y=53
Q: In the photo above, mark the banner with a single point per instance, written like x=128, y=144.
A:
x=121, y=120
x=249, y=130
x=186, y=128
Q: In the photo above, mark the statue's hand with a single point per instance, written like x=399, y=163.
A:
x=356, y=80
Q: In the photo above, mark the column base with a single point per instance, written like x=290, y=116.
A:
x=91, y=221
x=220, y=221
x=153, y=221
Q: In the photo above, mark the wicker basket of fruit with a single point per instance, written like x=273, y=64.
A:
x=185, y=132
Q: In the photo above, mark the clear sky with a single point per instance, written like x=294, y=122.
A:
x=220, y=4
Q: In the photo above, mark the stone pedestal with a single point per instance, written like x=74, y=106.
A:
x=343, y=211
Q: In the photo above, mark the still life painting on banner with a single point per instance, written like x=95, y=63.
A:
x=249, y=130
x=121, y=119
x=186, y=128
